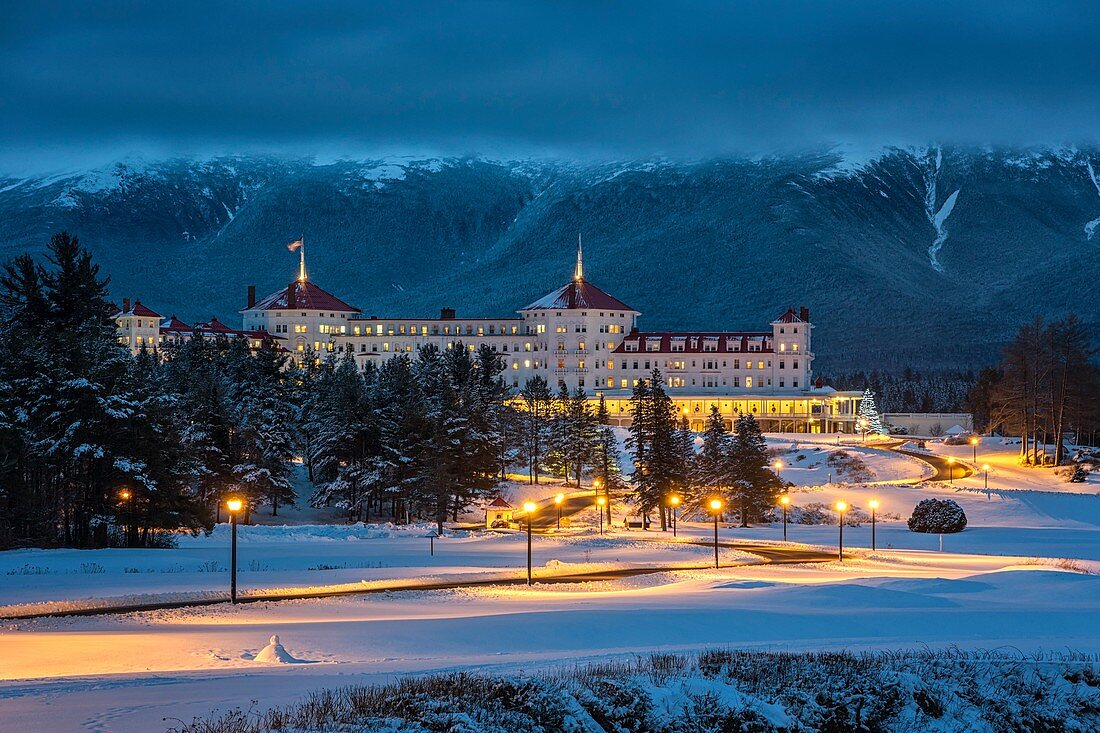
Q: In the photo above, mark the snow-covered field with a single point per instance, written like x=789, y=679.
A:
x=1025, y=573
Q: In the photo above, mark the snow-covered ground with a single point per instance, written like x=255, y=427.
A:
x=1025, y=573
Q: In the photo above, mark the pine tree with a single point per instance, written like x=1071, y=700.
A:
x=538, y=406
x=869, y=417
x=711, y=470
x=606, y=455
x=658, y=458
x=755, y=487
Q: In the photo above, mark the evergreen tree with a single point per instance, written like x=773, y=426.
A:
x=538, y=406
x=711, y=471
x=605, y=459
x=755, y=487
x=869, y=417
x=657, y=452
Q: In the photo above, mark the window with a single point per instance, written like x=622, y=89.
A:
x=736, y=363
x=782, y=364
x=748, y=382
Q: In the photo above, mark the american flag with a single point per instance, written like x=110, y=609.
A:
x=294, y=245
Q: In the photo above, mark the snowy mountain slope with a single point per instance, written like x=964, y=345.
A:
x=929, y=256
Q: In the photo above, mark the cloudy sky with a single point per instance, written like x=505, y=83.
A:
x=576, y=79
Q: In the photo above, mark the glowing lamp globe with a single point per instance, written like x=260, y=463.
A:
x=530, y=506
x=841, y=506
x=715, y=504
x=234, y=505
x=784, y=500
x=873, y=503
x=674, y=501
x=559, y=498
x=601, y=500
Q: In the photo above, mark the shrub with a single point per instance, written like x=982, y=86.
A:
x=934, y=516
x=1079, y=475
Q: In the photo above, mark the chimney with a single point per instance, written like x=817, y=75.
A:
x=125, y=305
x=291, y=295
x=446, y=314
x=804, y=313
x=251, y=296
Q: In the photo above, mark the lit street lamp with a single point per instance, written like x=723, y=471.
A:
x=558, y=500
x=131, y=527
x=599, y=484
x=234, y=506
x=529, y=507
x=674, y=501
x=974, y=444
x=716, y=507
x=951, y=468
x=874, y=506
x=785, y=501
x=600, y=503
x=841, y=508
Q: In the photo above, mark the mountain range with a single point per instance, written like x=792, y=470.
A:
x=928, y=257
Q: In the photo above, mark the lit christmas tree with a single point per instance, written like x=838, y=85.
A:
x=869, y=419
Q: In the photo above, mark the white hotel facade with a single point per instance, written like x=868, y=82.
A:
x=580, y=336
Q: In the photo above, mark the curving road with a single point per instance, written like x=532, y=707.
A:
x=944, y=470
x=772, y=554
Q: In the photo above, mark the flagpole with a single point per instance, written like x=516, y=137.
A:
x=302, y=260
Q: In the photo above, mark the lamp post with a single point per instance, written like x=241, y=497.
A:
x=974, y=444
x=598, y=483
x=558, y=500
x=716, y=507
x=674, y=501
x=841, y=508
x=785, y=501
x=951, y=468
x=600, y=503
x=874, y=510
x=234, y=506
x=529, y=507
x=985, y=470
x=128, y=496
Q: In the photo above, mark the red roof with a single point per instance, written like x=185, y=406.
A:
x=136, y=310
x=578, y=294
x=175, y=325
x=789, y=317
x=499, y=503
x=216, y=326
x=696, y=343
x=307, y=296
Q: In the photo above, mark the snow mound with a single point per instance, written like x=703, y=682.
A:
x=276, y=653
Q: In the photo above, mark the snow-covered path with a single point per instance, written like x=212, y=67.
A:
x=126, y=673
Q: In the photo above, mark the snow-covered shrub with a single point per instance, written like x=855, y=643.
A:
x=937, y=516
x=851, y=467
x=1078, y=475
x=716, y=691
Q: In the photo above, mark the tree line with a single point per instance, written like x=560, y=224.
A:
x=1046, y=386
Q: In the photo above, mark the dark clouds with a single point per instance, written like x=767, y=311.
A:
x=569, y=78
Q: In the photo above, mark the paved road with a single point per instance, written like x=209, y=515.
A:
x=944, y=470
x=772, y=554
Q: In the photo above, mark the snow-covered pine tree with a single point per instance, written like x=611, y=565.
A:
x=870, y=420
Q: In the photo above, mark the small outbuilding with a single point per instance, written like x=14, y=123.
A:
x=498, y=514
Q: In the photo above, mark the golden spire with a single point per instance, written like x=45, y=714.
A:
x=302, y=260
x=578, y=275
